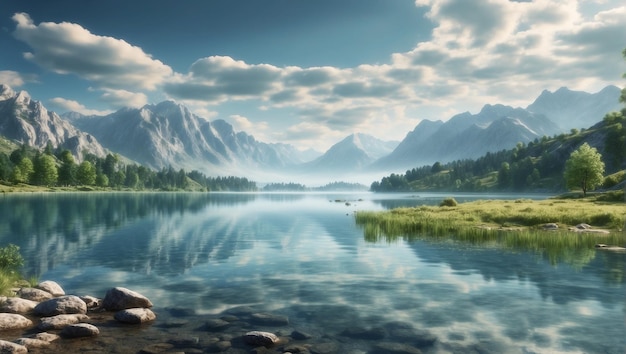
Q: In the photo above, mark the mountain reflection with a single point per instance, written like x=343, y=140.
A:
x=51, y=228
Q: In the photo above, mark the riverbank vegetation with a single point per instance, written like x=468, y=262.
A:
x=10, y=263
x=511, y=224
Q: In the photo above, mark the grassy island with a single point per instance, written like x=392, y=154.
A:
x=511, y=224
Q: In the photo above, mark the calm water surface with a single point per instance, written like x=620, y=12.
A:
x=302, y=256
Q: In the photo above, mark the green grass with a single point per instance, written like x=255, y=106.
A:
x=512, y=225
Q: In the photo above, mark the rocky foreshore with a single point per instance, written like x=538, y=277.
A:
x=45, y=319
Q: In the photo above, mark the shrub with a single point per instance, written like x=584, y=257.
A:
x=449, y=202
x=10, y=257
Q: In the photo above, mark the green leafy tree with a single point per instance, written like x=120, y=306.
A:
x=584, y=169
x=102, y=180
x=45, y=171
x=86, y=174
x=5, y=167
x=67, y=170
x=23, y=171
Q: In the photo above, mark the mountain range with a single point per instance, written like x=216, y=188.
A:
x=169, y=134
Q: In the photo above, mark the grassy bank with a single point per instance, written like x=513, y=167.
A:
x=510, y=224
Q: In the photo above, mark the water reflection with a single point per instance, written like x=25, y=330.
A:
x=302, y=256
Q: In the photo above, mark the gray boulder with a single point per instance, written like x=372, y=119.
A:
x=32, y=342
x=90, y=301
x=45, y=336
x=11, y=321
x=135, y=316
x=17, y=305
x=60, y=321
x=52, y=287
x=257, y=338
x=121, y=298
x=80, y=330
x=9, y=347
x=34, y=294
x=68, y=304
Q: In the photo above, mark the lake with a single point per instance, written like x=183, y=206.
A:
x=300, y=258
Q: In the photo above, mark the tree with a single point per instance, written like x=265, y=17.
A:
x=23, y=171
x=584, y=169
x=86, y=174
x=45, y=170
x=67, y=170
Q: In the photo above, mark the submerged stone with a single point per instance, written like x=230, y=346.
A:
x=121, y=298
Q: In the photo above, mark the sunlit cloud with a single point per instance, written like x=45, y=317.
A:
x=68, y=48
x=15, y=79
x=65, y=105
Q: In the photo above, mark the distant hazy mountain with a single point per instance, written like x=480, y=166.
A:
x=351, y=154
x=576, y=109
x=27, y=121
x=168, y=134
x=466, y=135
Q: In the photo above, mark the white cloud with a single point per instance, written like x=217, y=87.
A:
x=479, y=52
x=260, y=130
x=66, y=105
x=123, y=98
x=68, y=48
x=15, y=79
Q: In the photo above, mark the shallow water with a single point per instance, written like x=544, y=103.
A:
x=301, y=256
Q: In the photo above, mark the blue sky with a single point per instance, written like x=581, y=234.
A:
x=306, y=72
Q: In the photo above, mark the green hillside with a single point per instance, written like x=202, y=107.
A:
x=534, y=167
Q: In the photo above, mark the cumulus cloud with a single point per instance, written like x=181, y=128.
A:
x=68, y=48
x=15, y=79
x=220, y=78
x=123, y=98
x=65, y=105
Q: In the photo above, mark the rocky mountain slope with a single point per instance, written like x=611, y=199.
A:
x=351, y=154
x=27, y=121
x=499, y=127
x=576, y=109
x=168, y=134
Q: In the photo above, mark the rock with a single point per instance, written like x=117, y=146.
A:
x=10, y=321
x=32, y=342
x=90, y=301
x=395, y=348
x=583, y=226
x=216, y=324
x=157, y=348
x=34, y=294
x=135, y=316
x=51, y=287
x=375, y=333
x=68, y=304
x=48, y=337
x=603, y=247
x=260, y=338
x=80, y=330
x=121, y=298
x=550, y=226
x=8, y=347
x=220, y=346
x=17, y=305
x=60, y=321
x=269, y=319
x=325, y=348
x=297, y=335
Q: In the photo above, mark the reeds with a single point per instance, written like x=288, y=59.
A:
x=511, y=225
